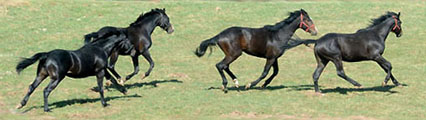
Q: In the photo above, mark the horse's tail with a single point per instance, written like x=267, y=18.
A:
x=88, y=37
x=25, y=62
x=296, y=42
x=201, y=50
x=103, y=33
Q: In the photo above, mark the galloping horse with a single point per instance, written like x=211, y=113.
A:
x=365, y=44
x=89, y=60
x=268, y=42
x=138, y=39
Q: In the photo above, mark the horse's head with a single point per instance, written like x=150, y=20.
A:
x=164, y=22
x=397, y=27
x=306, y=23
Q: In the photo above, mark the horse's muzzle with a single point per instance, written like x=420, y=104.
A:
x=170, y=30
x=313, y=32
x=399, y=34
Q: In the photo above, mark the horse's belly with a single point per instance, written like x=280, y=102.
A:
x=353, y=58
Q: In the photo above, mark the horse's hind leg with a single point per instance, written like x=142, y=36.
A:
x=121, y=88
x=100, y=76
x=275, y=72
x=224, y=65
x=227, y=70
x=41, y=75
x=321, y=63
x=341, y=73
x=387, y=67
x=52, y=85
x=268, y=65
x=233, y=77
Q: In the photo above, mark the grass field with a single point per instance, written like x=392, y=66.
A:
x=178, y=87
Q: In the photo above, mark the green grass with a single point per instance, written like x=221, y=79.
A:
x=178, y=85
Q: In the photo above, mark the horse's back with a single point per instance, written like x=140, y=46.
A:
x=87, y=61
x=348, y=47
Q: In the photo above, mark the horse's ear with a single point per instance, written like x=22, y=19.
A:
x=399, y=13
x=302, y=10
x=164, y=9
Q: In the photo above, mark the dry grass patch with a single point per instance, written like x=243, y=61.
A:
x=254, y=115
x=4, y=4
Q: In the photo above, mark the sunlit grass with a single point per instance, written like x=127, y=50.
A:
x=182, y=79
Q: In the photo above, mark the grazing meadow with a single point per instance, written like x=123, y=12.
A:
x=183, y=86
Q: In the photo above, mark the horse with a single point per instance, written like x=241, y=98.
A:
x=89, y=60
x=365, y=44
x=268, y=42
x=138, y=40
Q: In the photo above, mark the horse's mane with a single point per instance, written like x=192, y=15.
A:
x=145, y=15
x=288, y=20
x=382, y=18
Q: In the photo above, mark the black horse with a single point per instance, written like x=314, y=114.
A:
x=268, y=42
x=365, y=44
x=138, y=39
x=89, y=60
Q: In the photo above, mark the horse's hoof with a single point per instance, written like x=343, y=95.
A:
x=248, y=86
x=19, y=106
x=263, y=86
x=121, y=81
x=143, y=77
x=47, y=110
x=124, y=92
x=359, y=86
x=108, y=83
x=105, y=105
x=397, y=84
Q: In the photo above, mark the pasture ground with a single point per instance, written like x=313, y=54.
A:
x=178, y=87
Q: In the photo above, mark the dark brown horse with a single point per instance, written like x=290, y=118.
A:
x=268, y=42
x=365, y=44
x=138, y=39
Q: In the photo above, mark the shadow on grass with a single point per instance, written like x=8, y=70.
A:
x=64, y=103
x=242, y=88
x=311, y=87
x=386, y=89
x=137, y=85
x=152, y=83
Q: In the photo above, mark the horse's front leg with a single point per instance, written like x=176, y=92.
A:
x=135, y=65
x=111, y=65
x=268, y=66
x=147, y=56
x=387, y=67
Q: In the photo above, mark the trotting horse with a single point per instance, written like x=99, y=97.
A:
x=138, y=39
x=268, y=42
x=365, y=44
x=89, y=60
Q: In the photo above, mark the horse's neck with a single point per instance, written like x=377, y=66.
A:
x=285, y=33
x=148, y=25
x=383, y=29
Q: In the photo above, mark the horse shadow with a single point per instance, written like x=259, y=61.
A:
x=138, y=85
x=151, y=83
x=311, y=87
x=242, y=88
x=61, y=104
x=385, y=89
